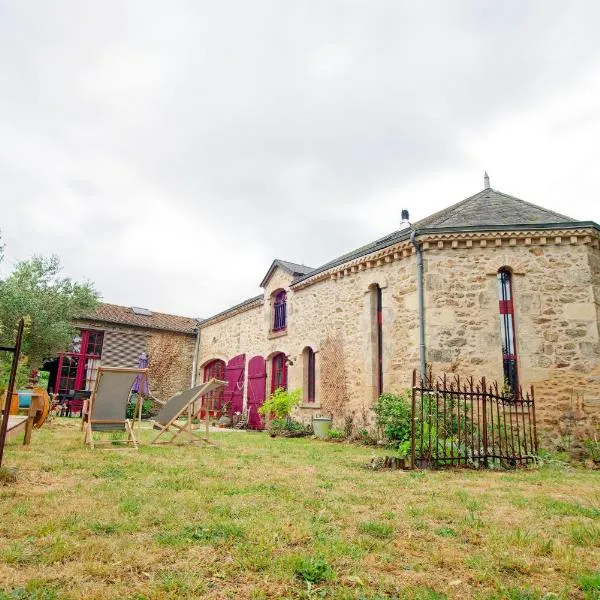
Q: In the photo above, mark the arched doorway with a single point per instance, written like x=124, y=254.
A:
x=215, y=369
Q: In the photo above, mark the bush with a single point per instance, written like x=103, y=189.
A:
x=335, y=434
x=393, y=416
x=288, y=425
x=146, y=410
x=280, y=403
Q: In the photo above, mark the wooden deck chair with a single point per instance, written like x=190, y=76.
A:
x=184, y=402
x=107, y=407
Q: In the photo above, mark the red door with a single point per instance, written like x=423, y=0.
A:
x=234, y=375
x=257, y=389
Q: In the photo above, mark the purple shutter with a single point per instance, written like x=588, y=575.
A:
x=257, y=387
x=234, y=375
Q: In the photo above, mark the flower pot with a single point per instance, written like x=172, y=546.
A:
x=321, y=427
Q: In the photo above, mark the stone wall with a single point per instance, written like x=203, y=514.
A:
x=171, y=356
x=334, y=318
x=556, y=286
x=555, y=319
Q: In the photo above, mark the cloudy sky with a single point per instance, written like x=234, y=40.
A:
x=168, y=151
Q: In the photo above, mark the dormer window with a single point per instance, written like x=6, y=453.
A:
x=279, y=311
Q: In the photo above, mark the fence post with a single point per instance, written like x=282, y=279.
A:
x=535, y=438
x=412, y=421
x=484, y=423
x=16, y=352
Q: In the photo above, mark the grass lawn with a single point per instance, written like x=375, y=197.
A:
x=286, y=518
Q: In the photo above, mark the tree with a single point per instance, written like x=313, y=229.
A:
x=49, y=303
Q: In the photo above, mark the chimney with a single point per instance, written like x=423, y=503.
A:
x=405, y=217
x=486, y=181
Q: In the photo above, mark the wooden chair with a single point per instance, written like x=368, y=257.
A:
x=107, y=407
x=183, y=402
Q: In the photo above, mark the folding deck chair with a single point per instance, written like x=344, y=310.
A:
x=106, y=409
x=183, y=402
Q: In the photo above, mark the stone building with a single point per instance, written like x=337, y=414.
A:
x=511, y=292
x=117, y=336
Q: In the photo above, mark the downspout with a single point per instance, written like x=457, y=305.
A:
x=420, y=294
x=196, y=351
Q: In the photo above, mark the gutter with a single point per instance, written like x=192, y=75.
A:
x=420, y=293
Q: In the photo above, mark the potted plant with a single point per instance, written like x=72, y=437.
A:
x=278, y=407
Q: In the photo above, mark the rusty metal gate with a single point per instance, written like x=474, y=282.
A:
x=463, y=422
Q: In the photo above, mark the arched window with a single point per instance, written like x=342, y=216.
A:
x=279, y=311
x=215, y=369
x=278, y=372
x=507, y=329
x=309, y=374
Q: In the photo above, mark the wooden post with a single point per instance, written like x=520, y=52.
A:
x=16, y=352
x=29, y=425
x=206, y=417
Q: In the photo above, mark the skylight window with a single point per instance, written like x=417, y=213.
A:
x=141, y=311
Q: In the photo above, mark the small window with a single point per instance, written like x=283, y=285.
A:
x=94, y=343
x=309, y=375
x=279, y=311
x=507, y=329
x=279, y=372
x=377, y=338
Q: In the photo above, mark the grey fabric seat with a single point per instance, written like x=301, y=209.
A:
x=108, y=404
x=182, y=403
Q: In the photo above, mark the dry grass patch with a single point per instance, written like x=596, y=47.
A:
x=258, y=517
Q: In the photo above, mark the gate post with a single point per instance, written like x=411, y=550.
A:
x=535, y=438
x=484, y=423
x=412, y=421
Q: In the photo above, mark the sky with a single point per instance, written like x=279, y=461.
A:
x=169, y=151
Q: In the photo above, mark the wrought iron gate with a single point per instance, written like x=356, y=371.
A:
x=462, y=422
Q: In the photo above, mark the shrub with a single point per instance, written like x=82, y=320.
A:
x=335, y=434
x=280, y=403
x=290, y=427
x=146, y=410
x=592, y=446
x=393, y=416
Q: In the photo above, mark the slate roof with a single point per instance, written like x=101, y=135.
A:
x=292, y=268
x=488, y=209
x=235, y=307
x=491, y=207
x=124, y=315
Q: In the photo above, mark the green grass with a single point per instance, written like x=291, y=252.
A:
x=258, y=517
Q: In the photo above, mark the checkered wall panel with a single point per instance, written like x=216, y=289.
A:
x=123, y=349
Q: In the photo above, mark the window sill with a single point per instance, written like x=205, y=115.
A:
x=310, y=405
x=277, y=334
